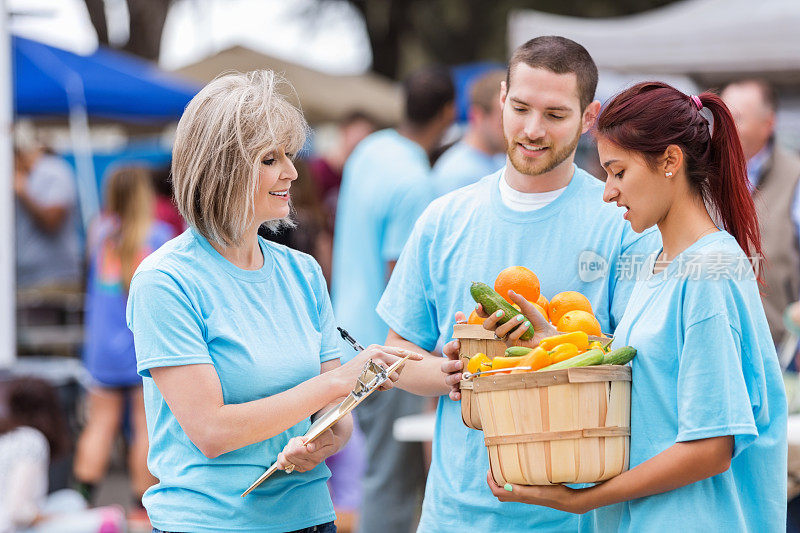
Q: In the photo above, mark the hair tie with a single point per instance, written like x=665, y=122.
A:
x=697, y=102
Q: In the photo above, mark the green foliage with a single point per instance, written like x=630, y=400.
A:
x=405, y=34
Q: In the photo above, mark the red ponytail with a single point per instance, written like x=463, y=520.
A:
x=650, y=116
x=728, y=188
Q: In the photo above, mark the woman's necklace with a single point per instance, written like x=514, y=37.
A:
x=660, y=259
x=708, y=230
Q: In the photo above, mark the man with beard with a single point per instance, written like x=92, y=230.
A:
x=541, y=212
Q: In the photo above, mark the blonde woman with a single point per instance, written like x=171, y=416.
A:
x=122, y=236
x=235, y=336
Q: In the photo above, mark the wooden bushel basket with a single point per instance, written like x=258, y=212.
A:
x=474, y=338
x=562, y=426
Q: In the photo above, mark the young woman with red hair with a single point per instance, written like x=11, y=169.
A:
x=708, y=411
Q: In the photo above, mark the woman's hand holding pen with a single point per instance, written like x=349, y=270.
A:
x=346, y=375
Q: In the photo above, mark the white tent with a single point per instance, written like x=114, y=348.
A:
x=721, y=38
x=324, y=97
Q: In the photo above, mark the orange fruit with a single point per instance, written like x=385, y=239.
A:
x=541, y=310
x=542, y=301
x=579, y=321
x=474, y=318
x=567, y=301
x=520, y=280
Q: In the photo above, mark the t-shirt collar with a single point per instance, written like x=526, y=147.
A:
x=247, y=275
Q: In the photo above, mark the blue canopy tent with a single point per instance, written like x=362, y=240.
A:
x=463, y=78
x=51, y=82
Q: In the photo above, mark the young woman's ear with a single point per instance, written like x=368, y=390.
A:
x=673, y=160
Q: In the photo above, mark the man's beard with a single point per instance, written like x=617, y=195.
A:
x=542, y=165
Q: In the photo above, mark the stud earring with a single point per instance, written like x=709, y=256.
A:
x=669, y=174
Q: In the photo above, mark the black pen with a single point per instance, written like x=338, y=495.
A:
x=346, y=336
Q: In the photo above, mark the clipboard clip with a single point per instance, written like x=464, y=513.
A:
x=371, y=378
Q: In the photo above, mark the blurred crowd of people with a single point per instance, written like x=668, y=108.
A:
x=354, y=207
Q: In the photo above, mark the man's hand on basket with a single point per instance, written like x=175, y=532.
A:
x=558, y=497
x=511, y=331
x=452, y=366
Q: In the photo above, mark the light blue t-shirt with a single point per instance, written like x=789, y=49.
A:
x=705, y=367
x=264, y=331
x=462, y=165
x=385, y=187
x=574, y=243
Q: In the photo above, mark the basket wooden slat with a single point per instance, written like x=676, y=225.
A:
x=474, y=339
x=619, y=414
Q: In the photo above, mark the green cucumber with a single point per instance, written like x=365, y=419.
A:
x=589, y=358
x=518, y=351
x=493, y=302
x=620, y=356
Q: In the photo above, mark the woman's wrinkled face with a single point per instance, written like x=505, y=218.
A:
x=631, y=183
x=275, y=178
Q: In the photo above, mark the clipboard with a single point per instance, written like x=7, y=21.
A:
x=372, y=377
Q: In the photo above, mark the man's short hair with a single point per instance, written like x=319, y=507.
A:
x=357, y=116
x=485, y=90
x=427, y=91
x=221, y=139
x=561, y=56
x=768, y=93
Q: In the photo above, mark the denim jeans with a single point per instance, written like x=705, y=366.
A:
x=321, y=528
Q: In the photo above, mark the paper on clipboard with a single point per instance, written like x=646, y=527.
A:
x=372, y=377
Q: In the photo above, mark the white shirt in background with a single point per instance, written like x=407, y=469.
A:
x=525, y=201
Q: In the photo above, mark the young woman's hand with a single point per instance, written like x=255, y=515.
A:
x=558, y=497
x=346, y=375
x=302, y=457
x=511, y=331
x=452, y=367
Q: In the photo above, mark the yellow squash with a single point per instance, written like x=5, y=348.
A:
x=579, y=338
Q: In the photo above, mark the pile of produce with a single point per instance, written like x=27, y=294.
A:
x=566, y=350
x=570, y=312
x=567, y=311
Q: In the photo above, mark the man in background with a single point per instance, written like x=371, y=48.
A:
x=481, y=150
x=774, y=173
x=385, y=186
x=48, y=252
x=326, y=169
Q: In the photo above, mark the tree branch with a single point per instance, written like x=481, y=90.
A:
x=97, y=16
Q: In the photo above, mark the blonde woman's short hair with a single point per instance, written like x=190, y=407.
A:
x=222, y=137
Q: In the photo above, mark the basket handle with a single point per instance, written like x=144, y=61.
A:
x=611, y=431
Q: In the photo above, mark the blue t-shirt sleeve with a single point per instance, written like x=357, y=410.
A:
x=329, y=344
x=635, y=250
x=406, y=305
x=713, y=398
x=406, y=205
x=167, y=329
